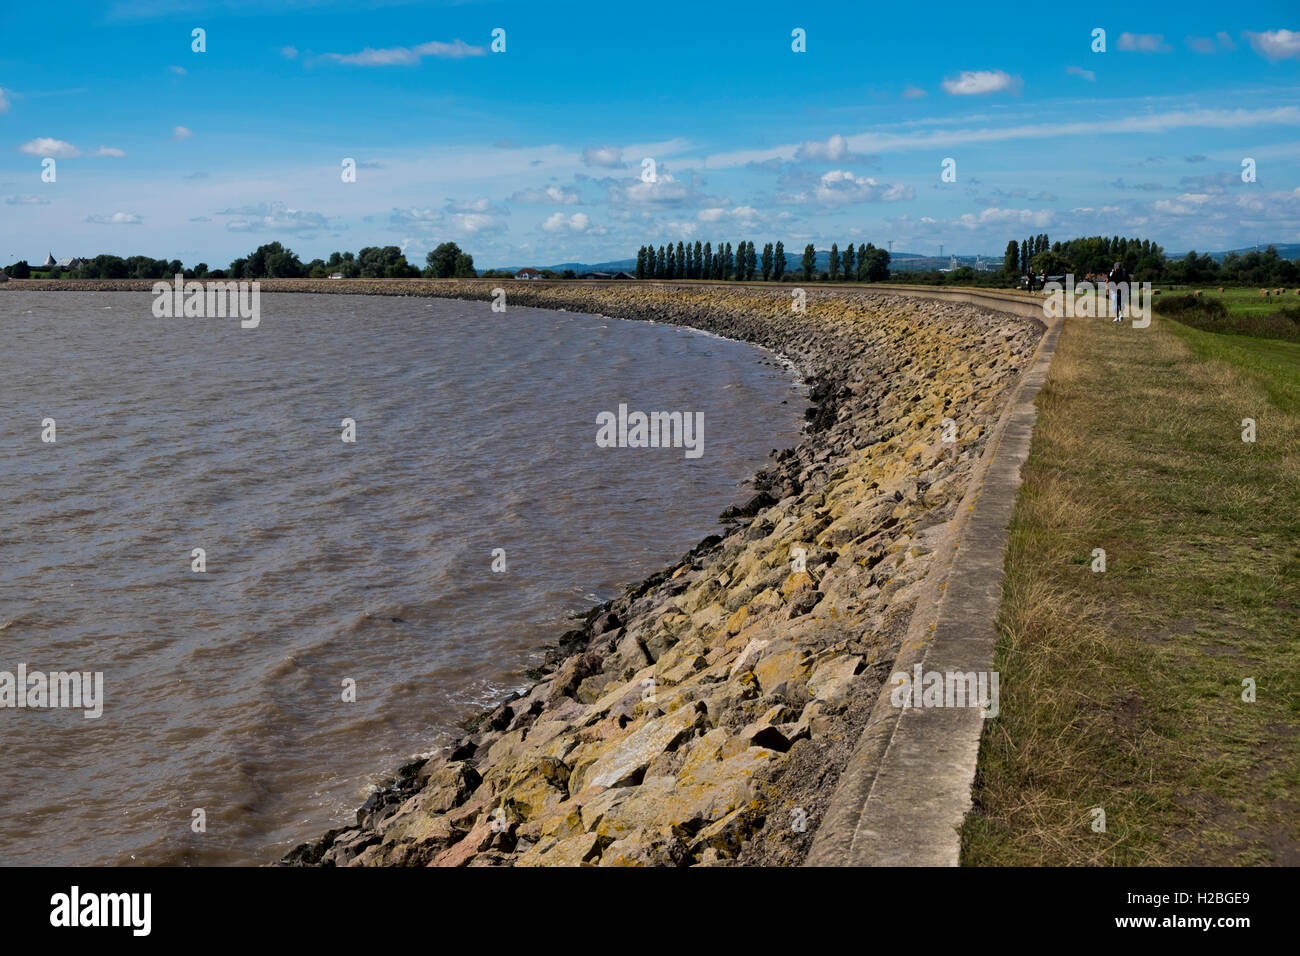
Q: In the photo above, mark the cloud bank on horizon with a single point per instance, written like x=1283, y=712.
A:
x=533, y=136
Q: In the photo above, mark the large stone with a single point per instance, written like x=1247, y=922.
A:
x=708, y=790
x=833, y=679
x=646, y=847
x=580, y=850
x=623, y=762
x=536, y=787
x=448, y=787
x=781, y=667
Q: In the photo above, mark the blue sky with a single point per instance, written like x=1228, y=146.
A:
x=534, y=155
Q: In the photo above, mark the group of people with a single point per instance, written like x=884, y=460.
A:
x=1117, y=280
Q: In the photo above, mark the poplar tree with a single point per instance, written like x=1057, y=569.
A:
x=849, y=273
x=1011, y=258
x=640, y=263
x=681, y=260
x=834, y=261
x=778, y=261
x=767, y=262
x=706, y=264
x=809, y=261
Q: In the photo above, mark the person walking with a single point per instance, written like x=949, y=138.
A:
x=1117, y=281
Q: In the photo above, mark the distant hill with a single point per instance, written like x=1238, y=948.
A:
x=1287, y=250
x=617, y=265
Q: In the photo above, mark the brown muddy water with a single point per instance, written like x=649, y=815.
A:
x=326, y=561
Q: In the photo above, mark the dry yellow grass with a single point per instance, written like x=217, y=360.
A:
x=1122, y=690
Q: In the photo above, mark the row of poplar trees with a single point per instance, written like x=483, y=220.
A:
x=701, y=261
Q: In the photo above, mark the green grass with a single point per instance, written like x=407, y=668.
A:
x=1244, y=301
x=1273, y=365
x=1122, y=690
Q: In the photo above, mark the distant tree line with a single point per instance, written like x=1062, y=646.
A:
x=274, y=261
x=105, y=267
x=1146, y=262
x=743, y=263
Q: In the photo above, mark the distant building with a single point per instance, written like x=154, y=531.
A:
x=623, y=275
x=73, y=262
x=528, y=273
x=337, y=275
x=595, y=275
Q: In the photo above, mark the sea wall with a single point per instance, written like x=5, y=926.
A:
x=704, y=716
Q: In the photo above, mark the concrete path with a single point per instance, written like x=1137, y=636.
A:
x=906, y=789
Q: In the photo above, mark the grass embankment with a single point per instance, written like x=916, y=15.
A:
x=1217, y=313
x=1243, y=300
x=1122, y=690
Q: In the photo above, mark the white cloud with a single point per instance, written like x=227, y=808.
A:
x=474, y=222
x=913, y=93
x=1088, y=75
x=608, y=156
x=834, y=150
x=556, y=222
x=665, y=189
x=466, y=217
x=44, y=146
x=4, y=102
x=888, y=142
x=181, y=133
x=26, y=201
x=1143, y=43
x=740, y=215
x=117, y=219
x=840, y=187
x=1275, y=44
x=994, y=216
x=407, y=56
x=1200, y=44
x=980, y=82
x=178, y=70
x=482, y=204
x=288, y=52
x=425, y=218
x=553, y=195
x=107, y=151
x=273, y=217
